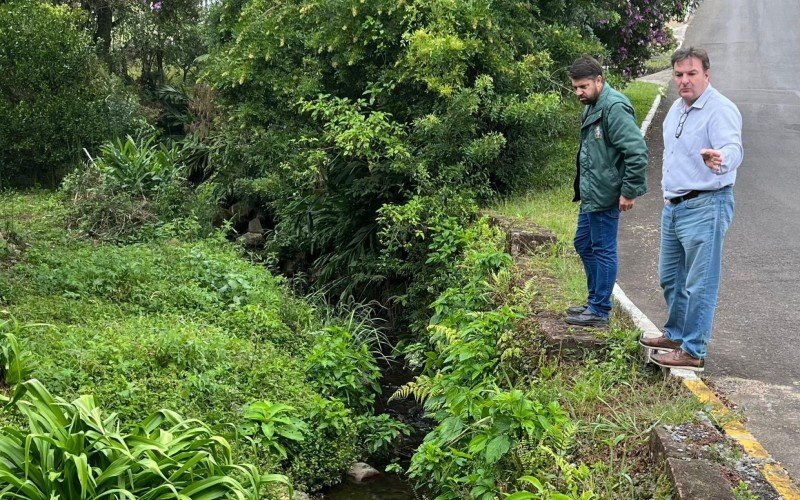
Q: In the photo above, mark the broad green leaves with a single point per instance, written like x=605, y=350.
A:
x=342, y=367
x=71, y=451
x=273, y=426
x=14, y=361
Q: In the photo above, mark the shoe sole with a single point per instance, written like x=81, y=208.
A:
x=690, y=368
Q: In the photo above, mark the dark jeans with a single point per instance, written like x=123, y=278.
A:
x=596, y=243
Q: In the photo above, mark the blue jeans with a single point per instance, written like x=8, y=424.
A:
x=596, y=243
x=690, y=265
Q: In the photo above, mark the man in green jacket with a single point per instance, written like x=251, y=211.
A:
x=611, y=174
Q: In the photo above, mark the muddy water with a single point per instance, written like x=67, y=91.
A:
x=385, y=487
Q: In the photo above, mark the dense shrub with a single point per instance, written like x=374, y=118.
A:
x=482, y=418
x=55, y=96
x=132, y=184
x=631, y=31
x=338, y=110
x=634, y=30
x=358, y=126
x=342, y=367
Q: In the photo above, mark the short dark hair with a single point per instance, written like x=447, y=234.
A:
x=585, y=66
x=684, y=54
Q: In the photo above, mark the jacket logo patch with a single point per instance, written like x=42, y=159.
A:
x=598, y=132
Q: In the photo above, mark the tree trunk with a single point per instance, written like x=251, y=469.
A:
x=102, y=36
x=146, y=78
x=160, y=64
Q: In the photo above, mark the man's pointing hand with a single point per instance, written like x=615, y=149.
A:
x=713, y=158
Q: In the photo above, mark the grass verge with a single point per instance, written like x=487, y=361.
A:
x=659, y=62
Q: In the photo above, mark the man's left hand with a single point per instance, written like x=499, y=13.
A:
x=625, y=204
x=713, y=158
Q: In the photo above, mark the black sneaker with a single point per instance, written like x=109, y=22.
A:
x=575, y=310
x=587, y=318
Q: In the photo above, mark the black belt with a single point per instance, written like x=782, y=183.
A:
x=688, y=196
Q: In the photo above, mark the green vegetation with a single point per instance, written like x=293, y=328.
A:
x=641, y=95
x=511, y=415
x=574, y=426
x=612, y=402
x=381, y=120
x=55, y=96
x=659, y=62
x=72, y=450
x=135, y=189
x=354, y=142
x=191, y=327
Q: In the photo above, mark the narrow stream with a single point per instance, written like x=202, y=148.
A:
x=385, y=487
x=390, y=486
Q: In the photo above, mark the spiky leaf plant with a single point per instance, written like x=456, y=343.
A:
x=72, y=451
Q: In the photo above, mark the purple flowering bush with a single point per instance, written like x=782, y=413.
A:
x=635, y=30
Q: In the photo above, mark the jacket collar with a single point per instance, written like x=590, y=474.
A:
x=603, y=97
x=592, y=110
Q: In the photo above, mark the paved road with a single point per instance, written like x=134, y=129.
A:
x=754, y=357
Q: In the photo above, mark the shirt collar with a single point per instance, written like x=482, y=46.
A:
x=701, y=101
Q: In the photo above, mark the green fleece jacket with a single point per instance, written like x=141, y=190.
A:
x=612, y=159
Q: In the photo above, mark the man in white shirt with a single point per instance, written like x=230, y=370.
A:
x=702, y=150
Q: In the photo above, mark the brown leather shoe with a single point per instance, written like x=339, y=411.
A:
x=660, y=342
x=678, y=359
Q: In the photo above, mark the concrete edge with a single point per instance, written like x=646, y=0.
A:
x=698, y=479
x=649, y=118
x=772, y=470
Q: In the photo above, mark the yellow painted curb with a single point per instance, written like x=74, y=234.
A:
x=772, y=470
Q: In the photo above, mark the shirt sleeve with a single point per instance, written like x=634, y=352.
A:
x=626, y=137
x=725, y=134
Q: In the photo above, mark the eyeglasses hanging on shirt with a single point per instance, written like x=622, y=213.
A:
x=681, y=121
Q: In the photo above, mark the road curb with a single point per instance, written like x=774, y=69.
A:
x=650, y=114
x=772, y=470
